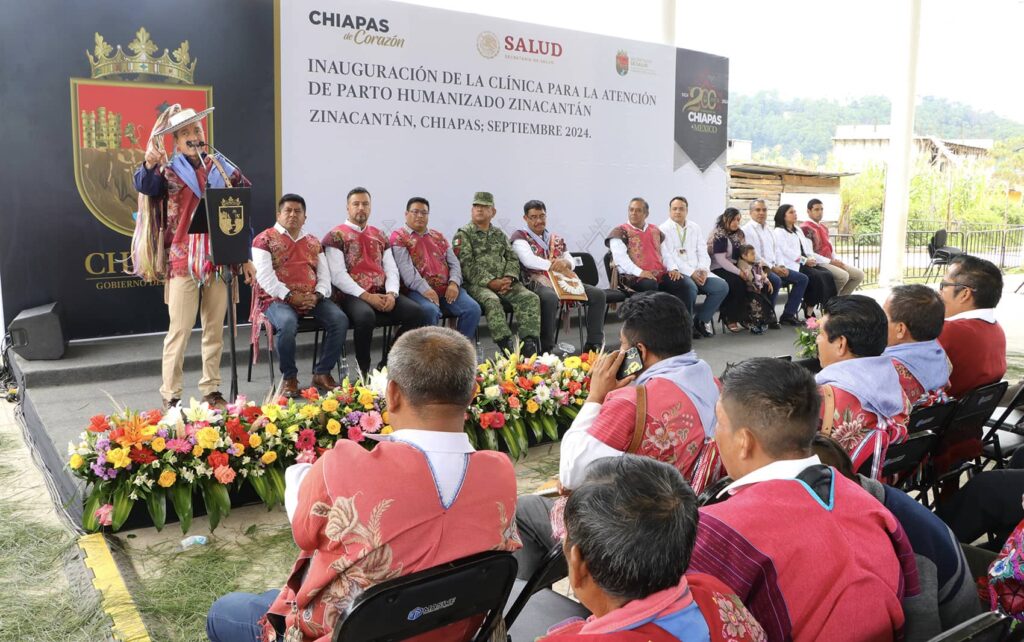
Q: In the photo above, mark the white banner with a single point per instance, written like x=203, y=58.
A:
x=413, y=101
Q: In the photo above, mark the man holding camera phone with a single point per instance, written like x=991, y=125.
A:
x=665, y=411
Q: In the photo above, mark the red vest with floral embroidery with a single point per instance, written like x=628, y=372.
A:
x=858, y=432
x=364, y=254
x=644, y=247
x=555, y=249
x=294, y=261
x=364, y=517
x=428, y=253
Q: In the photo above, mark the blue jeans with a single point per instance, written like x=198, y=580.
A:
x=233, y=618
x=464, y=308
x=285, y=320
x=715, y=291
x=796, y=295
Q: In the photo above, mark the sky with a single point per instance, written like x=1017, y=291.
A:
x=969, y=52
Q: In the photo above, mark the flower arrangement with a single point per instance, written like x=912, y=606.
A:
x=158, y=457
x=807, y=339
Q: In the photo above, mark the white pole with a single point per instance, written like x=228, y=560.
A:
x=901, y=141
x=668, y=22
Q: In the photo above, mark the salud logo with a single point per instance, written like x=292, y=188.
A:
x=622, y=62
x=112, y=114
x=487, y=44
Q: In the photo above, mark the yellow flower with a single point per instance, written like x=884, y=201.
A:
x=255, y=440
x=309, y=411
x=149, y=431
x=579, y=401
x=484, y=367
x=387, y=430
x=76, y=461
x=333, y=426
x=384, y=417
x=271, y=429
x=207, y=437
x=197, y=451
x=271, y=411
x=167, y=478
x=537, y=379
x=366, y=398
x=269, y=457
x=573, y=362
x=119, y=457
x=329, y=405
x=531, y=406
x=585, y=367
x=238, y=449
x=158, y=445
x=292, y=428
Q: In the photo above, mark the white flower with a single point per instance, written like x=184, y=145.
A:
x=187, y=475
x=197, y=411
x=149, y=482
x=492, y=392
x=139, y=481
x=246, y=460
x=378, y=383
x=245, y=472
x=133, y=496
x=72, y=448
x=543, y=392
x=550, y=360
x=172, y=417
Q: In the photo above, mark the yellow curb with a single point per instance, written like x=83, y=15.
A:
x=117, y=601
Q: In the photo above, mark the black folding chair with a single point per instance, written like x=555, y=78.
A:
x=474, y=587
x=533, y=607
x=713, y=493
x=934, y=418
x=939, y=253
x=306, y=324
x=989, y=626
x=1005, y=432
x=904, y=458
x=587, y=271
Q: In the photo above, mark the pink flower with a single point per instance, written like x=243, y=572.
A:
x=306, y=457
x=306, y=440
x=355, y=433
x=103, y=514
x=224, y=474
x=812, y=323
x=179, y=445
x=370, y=422
x=514, y=403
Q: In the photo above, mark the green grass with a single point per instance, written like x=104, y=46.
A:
x=1014, y=367
x=174, y=603
x=38, y=604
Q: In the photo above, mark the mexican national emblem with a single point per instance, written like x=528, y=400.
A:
x=111, y=113
x=622, y=62
x=231, y=216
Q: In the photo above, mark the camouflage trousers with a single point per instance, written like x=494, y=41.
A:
x=525, y=306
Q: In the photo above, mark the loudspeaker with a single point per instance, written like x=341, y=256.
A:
x=38, y=333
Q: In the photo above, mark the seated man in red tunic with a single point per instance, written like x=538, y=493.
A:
x=972, y=338
x=294, y=280
x=915, y=315
x=863, y=406
x=422, y=497
x=811, y=554
x=366, y=277
x=630, y=529
x=641, y=257
x=677, y=392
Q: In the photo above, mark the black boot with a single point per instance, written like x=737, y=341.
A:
x=529, y=347
x=504, y=345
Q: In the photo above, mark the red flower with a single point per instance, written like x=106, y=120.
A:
x=152, y=416
x=237, y=431
x=574, y=387
x=217, y=459
x=585, y=357
x=355, y=433
x=540, y=368
x=525, y=383
x=306, y=440
x=509, y=388
x=250, y=413
x=310, y=394
x=492, y=420
x=344, y=396
x=98, y=423
x=143, y=455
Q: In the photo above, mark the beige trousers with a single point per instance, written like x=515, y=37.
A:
x=183, y=301
x=847, y=278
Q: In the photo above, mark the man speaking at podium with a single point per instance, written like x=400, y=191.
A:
x=192, y=283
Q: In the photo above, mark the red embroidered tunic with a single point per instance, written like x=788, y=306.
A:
x=364, y=254
x=294, y=262
x=818, y=235
x=918, y=396
x=857, y=430
x=644, y=249
x=554, y=250
x=364, y=517
x=428, y=254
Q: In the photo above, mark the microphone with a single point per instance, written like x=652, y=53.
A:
x=195, y=144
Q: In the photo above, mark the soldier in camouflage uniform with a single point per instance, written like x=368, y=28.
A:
x=490, y=273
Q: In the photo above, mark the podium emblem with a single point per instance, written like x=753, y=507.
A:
x=231, y=216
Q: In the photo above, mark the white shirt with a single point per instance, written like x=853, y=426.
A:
x=788, y=246
x=344, y=281
x=531, y=261
x=267, y=278
x=447, y=455
x=690, y=239
x=809, y=249
x=620, y=254
x=985, y=314
x=579, y=448
x=780, y=469
x=763, y=240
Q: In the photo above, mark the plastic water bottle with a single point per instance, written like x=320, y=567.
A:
x=193, y=540
x=479, y=352
x=564, y=349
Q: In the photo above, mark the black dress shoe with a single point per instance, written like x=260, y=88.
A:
x=790, y=320
x=529, y=347
x=774, y=325
x=703, y=328
x=697, y=334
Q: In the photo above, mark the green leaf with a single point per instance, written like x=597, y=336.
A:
x=550, y=427
x=122, y=506
x=488, y=439
x=213, y=511
x=471, y=433
x=276, y=478
x=511, y=437
x=262, y=486
x=535, y=426
x=181, y=499
x=92, y=502
x=156, y=502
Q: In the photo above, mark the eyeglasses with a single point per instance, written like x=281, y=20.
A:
x=536, y=217
x=419, y=212
x=947, y=284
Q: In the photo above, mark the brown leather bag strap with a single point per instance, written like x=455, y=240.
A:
x=828, y=405
x=640, y=424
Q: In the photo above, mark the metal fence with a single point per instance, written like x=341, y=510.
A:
x=1001, y=244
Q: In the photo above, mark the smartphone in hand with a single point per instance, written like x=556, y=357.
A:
x=631, y=364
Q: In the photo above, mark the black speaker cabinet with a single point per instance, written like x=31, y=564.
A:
x=38, y=333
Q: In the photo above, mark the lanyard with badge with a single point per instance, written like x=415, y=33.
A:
x=682, y=240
